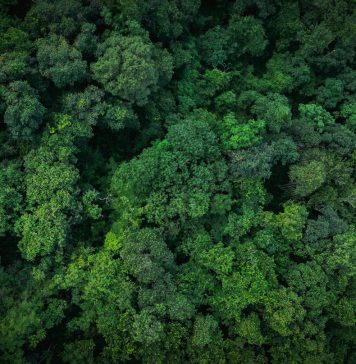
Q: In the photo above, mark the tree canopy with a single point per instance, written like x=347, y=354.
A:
x=177, y=181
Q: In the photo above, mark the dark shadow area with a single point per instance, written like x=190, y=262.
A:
x=277, y=186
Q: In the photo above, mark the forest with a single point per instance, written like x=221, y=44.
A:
x=177, y=181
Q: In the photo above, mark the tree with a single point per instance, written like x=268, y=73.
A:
x=245, y=35
x=327, y=224
x=131, y=67
x=13, y=66
x=214, y=48
x=249, y=285
x=340, y=139
x=24, y=111
x=253, y=162
x=85, y=107
x=274, y=110
x=86, y=41
x=315, y=115
x=149, y=258
x=15, y=40
x=189, y=158
x=348, y=110
x=165, y=19
x=330, y=93
x=52, y=193
x=103, y=293
x=60, y=61
x=235, y=135
x=308, y=177
x=15, y=51
x=63, y=17
x=291, y=221
x=11, y=199
x=29, y=312
x=284, y=74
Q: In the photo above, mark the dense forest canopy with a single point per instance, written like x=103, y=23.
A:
x=177, y=181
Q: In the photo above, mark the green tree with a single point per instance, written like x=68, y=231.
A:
x=165, y=19
x=235, y=135
x=52, y=193
x=308, y=177
x=24, y=112
x=188, y=158
x=60, y=61
x=11, y=198
x=245, y=35
x=131, y=67
x=274, y=110
x=214, y=45
x=63, y=17
x=315, y=115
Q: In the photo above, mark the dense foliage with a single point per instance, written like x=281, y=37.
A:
x=177, y=181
